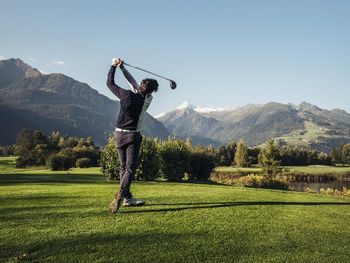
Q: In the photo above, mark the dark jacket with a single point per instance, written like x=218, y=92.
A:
x=130, y=104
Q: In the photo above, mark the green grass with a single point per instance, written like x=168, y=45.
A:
x=63, y=218
x=312, y=169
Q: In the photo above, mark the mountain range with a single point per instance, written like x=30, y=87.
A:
x=56, y=102
x=302, y=125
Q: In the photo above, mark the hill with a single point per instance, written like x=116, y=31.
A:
x=56, y=102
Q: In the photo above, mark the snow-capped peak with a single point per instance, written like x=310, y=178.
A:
x=208, y=109
x=185, y=105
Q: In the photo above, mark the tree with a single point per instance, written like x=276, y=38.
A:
x=335, y=156
x=268, y=159
x=346, y=154
x=175, y=156
x=231, y=152
x=109, y=162
x=201, y=163
x=241, y=156
x=149, y=161
x=31, y=148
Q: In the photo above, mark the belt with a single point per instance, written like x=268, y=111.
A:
x=122, y=130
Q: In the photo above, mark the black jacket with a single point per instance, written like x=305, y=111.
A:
x=130, y=104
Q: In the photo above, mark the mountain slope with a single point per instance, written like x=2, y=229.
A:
x=66, y=105
x=305, y=124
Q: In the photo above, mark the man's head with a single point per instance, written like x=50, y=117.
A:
x=148, y=86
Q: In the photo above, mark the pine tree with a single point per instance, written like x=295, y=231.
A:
x=268, y=159
x=241, y=156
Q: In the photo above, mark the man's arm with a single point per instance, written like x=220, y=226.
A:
x=146, y=104
x=116, y=90
x=133, y=84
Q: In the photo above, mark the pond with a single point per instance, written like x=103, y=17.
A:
x=302, y=186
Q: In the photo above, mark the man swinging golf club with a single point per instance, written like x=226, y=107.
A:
x=128, y=139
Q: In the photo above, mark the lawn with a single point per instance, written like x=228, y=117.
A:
x=63, y=217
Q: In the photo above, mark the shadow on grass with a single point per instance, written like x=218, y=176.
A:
x=8, y=179
x=108, y=245
x=189, y=206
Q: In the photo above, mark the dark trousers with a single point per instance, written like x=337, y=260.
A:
x=128, y=146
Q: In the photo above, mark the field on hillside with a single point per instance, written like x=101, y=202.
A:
x=63, y=217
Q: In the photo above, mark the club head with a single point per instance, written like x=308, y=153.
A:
x=172, y=84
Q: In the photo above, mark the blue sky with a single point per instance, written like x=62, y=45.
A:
x=221, y=53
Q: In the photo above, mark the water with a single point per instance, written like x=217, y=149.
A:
x=301, y=186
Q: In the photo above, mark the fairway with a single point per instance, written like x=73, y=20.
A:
x=64, y=218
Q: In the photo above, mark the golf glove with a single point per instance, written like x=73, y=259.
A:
x=115, y=61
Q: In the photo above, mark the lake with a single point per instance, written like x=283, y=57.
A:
x=301, y=186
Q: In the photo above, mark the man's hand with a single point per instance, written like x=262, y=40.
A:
x=117, y=62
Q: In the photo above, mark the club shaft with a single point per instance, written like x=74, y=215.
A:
x=126, y=64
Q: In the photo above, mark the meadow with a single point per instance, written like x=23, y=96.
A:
x=62, y=217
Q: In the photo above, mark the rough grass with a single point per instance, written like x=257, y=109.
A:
x=63, y=218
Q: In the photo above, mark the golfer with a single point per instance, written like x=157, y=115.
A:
x=133, y=103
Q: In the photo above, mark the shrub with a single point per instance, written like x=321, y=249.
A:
x=59, y=161
x=90, y=152
x=25, y=160
x=201, y=164
x=83, y=163
x=70, y=154
x=258, y=181
x=149, y=161
x=109, y=161
x=175, y=157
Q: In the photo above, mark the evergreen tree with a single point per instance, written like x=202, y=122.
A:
x=346, y=154
x=241, y=156
x=268, y=159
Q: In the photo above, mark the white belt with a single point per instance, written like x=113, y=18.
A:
x=122, y=130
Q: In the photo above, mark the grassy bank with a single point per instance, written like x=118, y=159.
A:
x=63, y=217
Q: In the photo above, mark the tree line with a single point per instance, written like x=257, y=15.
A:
x=57, y=152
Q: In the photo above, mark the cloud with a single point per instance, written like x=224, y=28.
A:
x=57, y=63
x=2, y=57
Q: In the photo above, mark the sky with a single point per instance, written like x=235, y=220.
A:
x=220, y=53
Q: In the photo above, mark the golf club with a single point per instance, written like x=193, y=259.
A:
x=172, y=83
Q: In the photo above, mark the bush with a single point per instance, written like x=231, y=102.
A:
x=70, y=154
x=201, y=164
x=59, y=161
x=90, y=152
x=258, y=181
x=109, y=161
x=25, y=160
x=175, y=157
x=83, y=163
x=149, y=161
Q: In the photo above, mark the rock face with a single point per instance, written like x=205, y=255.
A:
x=56, y=102
x=304, y=125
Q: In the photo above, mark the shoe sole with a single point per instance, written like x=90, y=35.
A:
x=116, y=203
x=134, y=205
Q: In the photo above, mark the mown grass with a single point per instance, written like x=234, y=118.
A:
x=63, y=218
